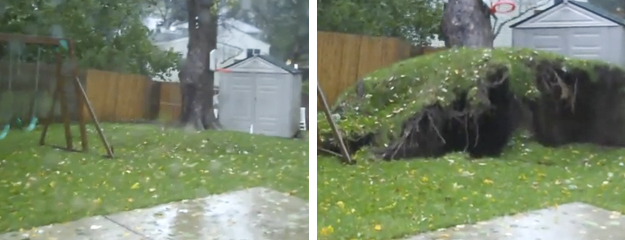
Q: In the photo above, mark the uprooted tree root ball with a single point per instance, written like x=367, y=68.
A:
x=473, y=100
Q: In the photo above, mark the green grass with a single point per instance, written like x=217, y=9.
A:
x=404, y=198
x=41, y=185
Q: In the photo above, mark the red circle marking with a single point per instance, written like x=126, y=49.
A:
x=494, y=7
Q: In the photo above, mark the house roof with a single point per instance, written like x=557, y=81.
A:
x=241, y=26
x=584, y=5
x=227, y=27
x=271, y=60
x=168, y=36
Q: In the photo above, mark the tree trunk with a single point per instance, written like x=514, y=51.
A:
x=196, y=78
x=466, y=23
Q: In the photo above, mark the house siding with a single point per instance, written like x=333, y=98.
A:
x=226, y=37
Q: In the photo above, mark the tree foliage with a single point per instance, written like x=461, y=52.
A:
x=109, y=35
x=170, y=11
x=284, y=23
x=614, y=6
x=414, y=20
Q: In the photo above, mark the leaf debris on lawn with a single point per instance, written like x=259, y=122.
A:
x=43, y=185
x=405, y=198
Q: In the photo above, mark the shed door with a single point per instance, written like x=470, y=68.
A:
x=578, y=42
x=269, y=101
x=236, y=102
x=553, y=40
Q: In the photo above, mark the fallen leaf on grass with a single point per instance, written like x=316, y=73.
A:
x=325, y=231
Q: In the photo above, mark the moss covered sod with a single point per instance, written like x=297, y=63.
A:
x=489, y=132
x=41, y=185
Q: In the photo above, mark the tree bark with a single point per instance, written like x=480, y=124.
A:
x=196, y=78
x=466, y=23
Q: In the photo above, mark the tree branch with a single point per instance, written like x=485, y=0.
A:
x=497, y=28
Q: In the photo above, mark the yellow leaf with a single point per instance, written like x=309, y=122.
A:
x=52, y=184
x=340, y=204
x=135, y=186
x=378, y=227
x=325, y=231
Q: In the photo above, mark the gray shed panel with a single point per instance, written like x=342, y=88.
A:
x=571, y=29
x=621, y=39
x=256, y=94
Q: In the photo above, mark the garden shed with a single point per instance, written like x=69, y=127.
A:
x=575, y=29
x=260, y=95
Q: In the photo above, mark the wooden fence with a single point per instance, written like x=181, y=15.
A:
x=115, y=97
x=118, y=97
x=343, y=59
x=170, y=101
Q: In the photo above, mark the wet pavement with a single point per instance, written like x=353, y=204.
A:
x=252, y=214
x=573, y=221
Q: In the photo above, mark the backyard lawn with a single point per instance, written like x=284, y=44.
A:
x=392, y=200
x=41, y=185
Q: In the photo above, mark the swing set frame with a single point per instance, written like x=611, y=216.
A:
x=59, y=93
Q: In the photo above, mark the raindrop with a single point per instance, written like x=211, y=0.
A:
x=78, y=203
x=68, y=66
x=30, y=29
x=214, y=165
x=16, y=47
x=51, y=160
x=205, y=16
x=174, y=169
x=55, y=3
x=201, y=192
x=56, y=31
x=90, y=21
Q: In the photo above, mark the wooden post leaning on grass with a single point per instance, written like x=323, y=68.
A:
x=63, y=44
x=326, y=110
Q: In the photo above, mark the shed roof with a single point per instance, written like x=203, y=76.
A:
x=584, y=5
x=269, y=59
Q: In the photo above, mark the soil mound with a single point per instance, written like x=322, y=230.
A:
x=473, y=100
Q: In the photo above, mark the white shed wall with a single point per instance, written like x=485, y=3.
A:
x=620, y=38
x=267, y=101
x=578, y=42
x=575, y=32
x=296, y=102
